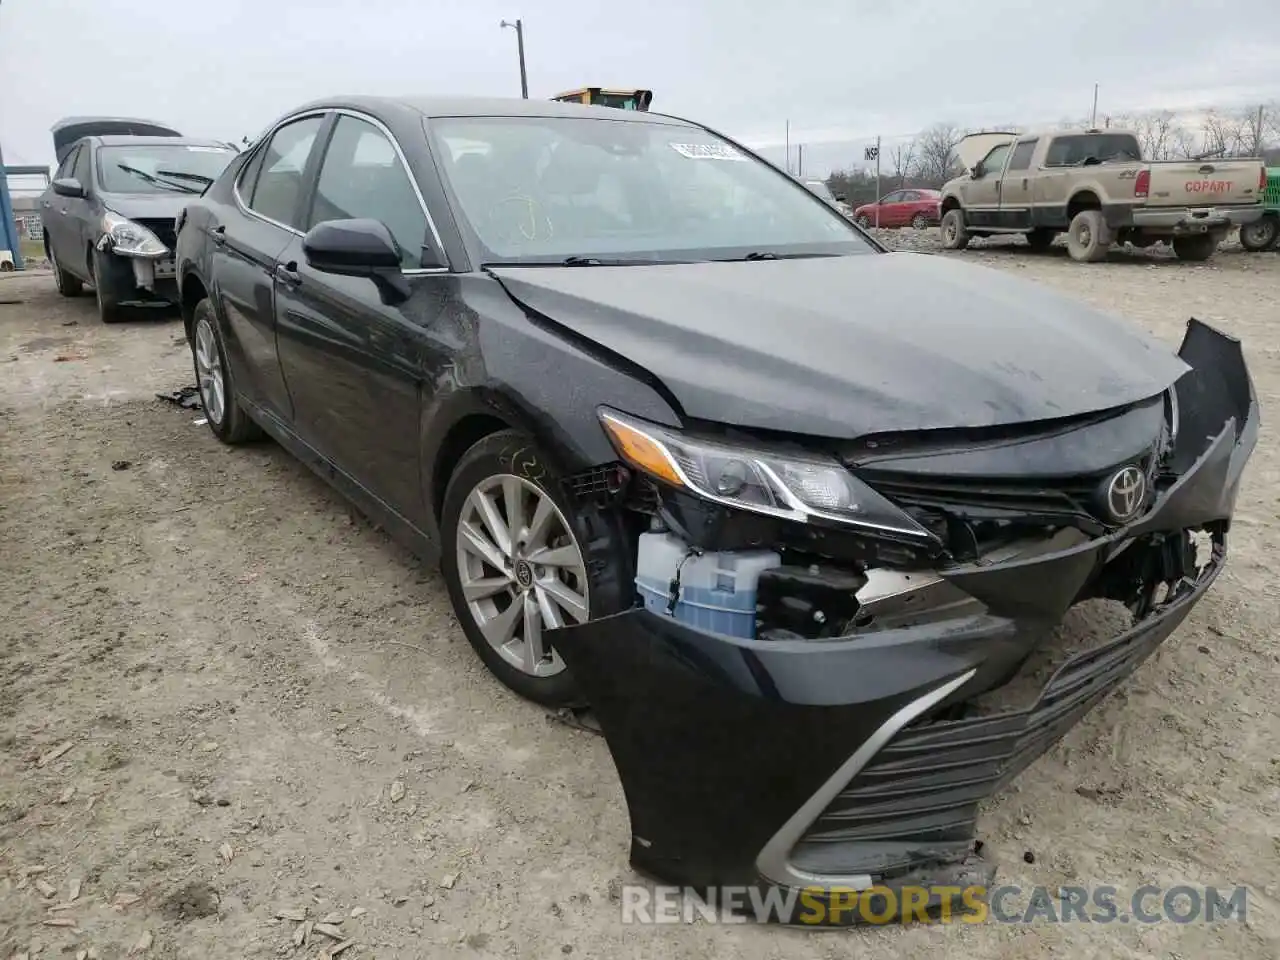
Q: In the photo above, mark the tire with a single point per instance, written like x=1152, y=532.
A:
x=69, y=285
x=920, y=222
x=108, y=305
x=955, y=236
x=863, y=221
x=214, y=379
x=1040, y=240
x=1088, y=237
x=1261, y=234
x=502, y=465
x=1196, y=248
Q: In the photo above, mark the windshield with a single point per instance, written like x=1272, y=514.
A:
x=160, y=168
x=535, y=189
x=1077, y=149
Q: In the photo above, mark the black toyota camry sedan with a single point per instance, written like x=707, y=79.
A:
x=687, y=454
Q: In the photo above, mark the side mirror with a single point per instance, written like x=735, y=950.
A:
x=977, y=171
x=358, y=248
x=841, y=198
x=68, y=187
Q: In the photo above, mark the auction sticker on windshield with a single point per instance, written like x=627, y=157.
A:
x=707, y=151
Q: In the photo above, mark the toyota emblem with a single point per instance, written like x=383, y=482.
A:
x=1125, y=493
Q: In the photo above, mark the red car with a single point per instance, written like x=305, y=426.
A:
x=919, y=208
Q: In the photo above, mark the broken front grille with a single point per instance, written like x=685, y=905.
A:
x=916, y=801
x=164, y=229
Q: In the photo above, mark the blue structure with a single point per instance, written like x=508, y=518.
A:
x=8, y=228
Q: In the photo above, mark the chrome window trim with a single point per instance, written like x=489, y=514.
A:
x=404, y=163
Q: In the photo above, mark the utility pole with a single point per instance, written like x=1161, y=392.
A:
x=1093, y=123
x=1257, y=133
x=800, y=160
x=788, y=146
x=518, y=26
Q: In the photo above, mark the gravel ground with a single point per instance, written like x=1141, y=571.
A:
x=225, y=696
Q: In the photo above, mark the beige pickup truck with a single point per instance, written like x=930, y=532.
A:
x=1094, y=186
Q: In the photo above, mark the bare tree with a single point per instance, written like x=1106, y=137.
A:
x=935, y=149
x=902, y=160
x=1156, y=132
x=1224, y=134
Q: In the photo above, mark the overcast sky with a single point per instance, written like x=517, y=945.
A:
x=840, y=70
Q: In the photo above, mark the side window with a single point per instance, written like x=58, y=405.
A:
x=362, y=177
x=249, y=175
x=68, y=164
x=279, y=183
x=911, y=196
x=1021, y=158
x=993, y=164
x=82, y=171
x=895, y=197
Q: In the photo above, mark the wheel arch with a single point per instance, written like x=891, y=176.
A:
x=1083, y=199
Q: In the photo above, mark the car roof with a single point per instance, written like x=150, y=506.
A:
x=124, y=140
x=484, y=107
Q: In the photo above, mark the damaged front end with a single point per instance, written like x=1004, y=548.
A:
x=137, y=262
x=839, y=746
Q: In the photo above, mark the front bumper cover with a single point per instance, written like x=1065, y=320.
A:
x=822, y=765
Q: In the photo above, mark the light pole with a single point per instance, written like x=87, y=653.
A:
x=518, y=26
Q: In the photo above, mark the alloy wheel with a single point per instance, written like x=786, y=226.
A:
x=213, y=390
x=521, y=571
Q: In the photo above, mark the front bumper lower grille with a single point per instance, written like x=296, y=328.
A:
x=921, y=791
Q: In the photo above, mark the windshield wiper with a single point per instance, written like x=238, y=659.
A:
x=197, y=177
x=770, y=255
x=143, y=175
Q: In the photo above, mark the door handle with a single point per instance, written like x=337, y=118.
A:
x=288, y=273
x=63, y=211
x=47, y=204
x=219, y=235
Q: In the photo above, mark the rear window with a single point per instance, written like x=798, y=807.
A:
x=1078, y=149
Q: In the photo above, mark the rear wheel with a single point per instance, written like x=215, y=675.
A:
x=1261, y=234
x=1088, y=237
x=1196, y=248
x=920, y=221
x=69, y=285
x=226, y=417
x=863, y=221
x=955, y=236
x=519, y=560
x=1040, y=239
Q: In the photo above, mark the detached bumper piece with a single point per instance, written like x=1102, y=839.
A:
x=857, y=762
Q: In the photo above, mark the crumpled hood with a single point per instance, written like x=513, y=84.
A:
x=846, y=346
x=147, y=206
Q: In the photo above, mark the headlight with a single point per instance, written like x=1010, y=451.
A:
x=781, y=485
x=125, y=236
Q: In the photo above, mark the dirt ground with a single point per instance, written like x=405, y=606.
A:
x=225, y=696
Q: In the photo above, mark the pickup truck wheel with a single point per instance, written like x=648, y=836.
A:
x=1198, y=247
x=955, y=236
x=1040, y=239
x=1088, y=237
x=1261, y=234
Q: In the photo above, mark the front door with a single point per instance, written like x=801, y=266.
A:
x=981, y=194
x=354, y=363
x=1015, y=188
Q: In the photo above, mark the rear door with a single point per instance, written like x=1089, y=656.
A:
x=355, y=365
x=248, y=239
x=53, y=217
